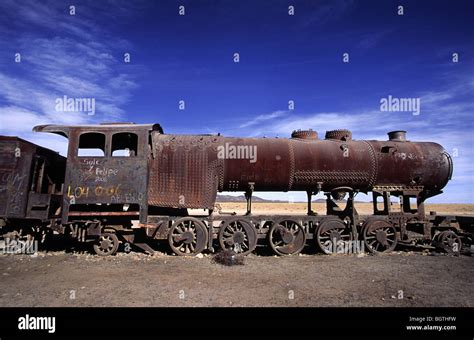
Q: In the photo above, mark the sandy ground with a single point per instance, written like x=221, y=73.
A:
x=401, y=279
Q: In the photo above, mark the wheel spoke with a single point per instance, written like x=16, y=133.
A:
x=287, y=237
x=380, y=236
x=235, y=235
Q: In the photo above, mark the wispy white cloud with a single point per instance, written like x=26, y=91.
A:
x=262, y=118
x=445, y=118
x=81, y=62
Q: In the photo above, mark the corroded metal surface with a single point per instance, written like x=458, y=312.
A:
x=142, y=182
x=30, y=180
x=99, y=185
x=184, y=171
x=300, y=164
x=187, y=171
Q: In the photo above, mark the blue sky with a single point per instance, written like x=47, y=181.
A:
x=282, y=58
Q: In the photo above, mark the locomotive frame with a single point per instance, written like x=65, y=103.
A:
x=144, y=182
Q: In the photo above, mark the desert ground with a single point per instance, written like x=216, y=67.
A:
x=404, y=278
x=400, y=279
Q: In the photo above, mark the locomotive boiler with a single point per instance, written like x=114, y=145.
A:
x=305, y=163
x=129, y=183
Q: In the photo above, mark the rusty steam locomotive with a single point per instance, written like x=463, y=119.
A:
x=128, y=182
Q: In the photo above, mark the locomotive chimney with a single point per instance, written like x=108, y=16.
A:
x=305, y=134
x=397, y=136
x=342, y=135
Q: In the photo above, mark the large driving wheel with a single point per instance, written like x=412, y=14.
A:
x=380, y=236
x=239, y=236
x=188, y=236
x=107, y=244
x=331, y=235
x=287, y=237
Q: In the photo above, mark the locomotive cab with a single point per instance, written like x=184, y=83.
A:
x=106, y=172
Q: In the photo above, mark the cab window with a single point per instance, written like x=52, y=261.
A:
x=124, y=144
x=91, y=144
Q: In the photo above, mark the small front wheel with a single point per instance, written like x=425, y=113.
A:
x=107, y=244
x=450, y=242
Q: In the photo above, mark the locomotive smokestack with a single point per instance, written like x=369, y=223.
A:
x=397, y=136
x=304, y=134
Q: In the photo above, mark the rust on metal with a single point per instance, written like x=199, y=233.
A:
x=31, y=178
x=132, y=182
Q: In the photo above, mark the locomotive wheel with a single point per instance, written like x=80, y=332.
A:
x=380, y=236
x=188, y=236
x=239, y=236
x=287, y=237
x=450, y=241
x=330, y=234
x=107, y=244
